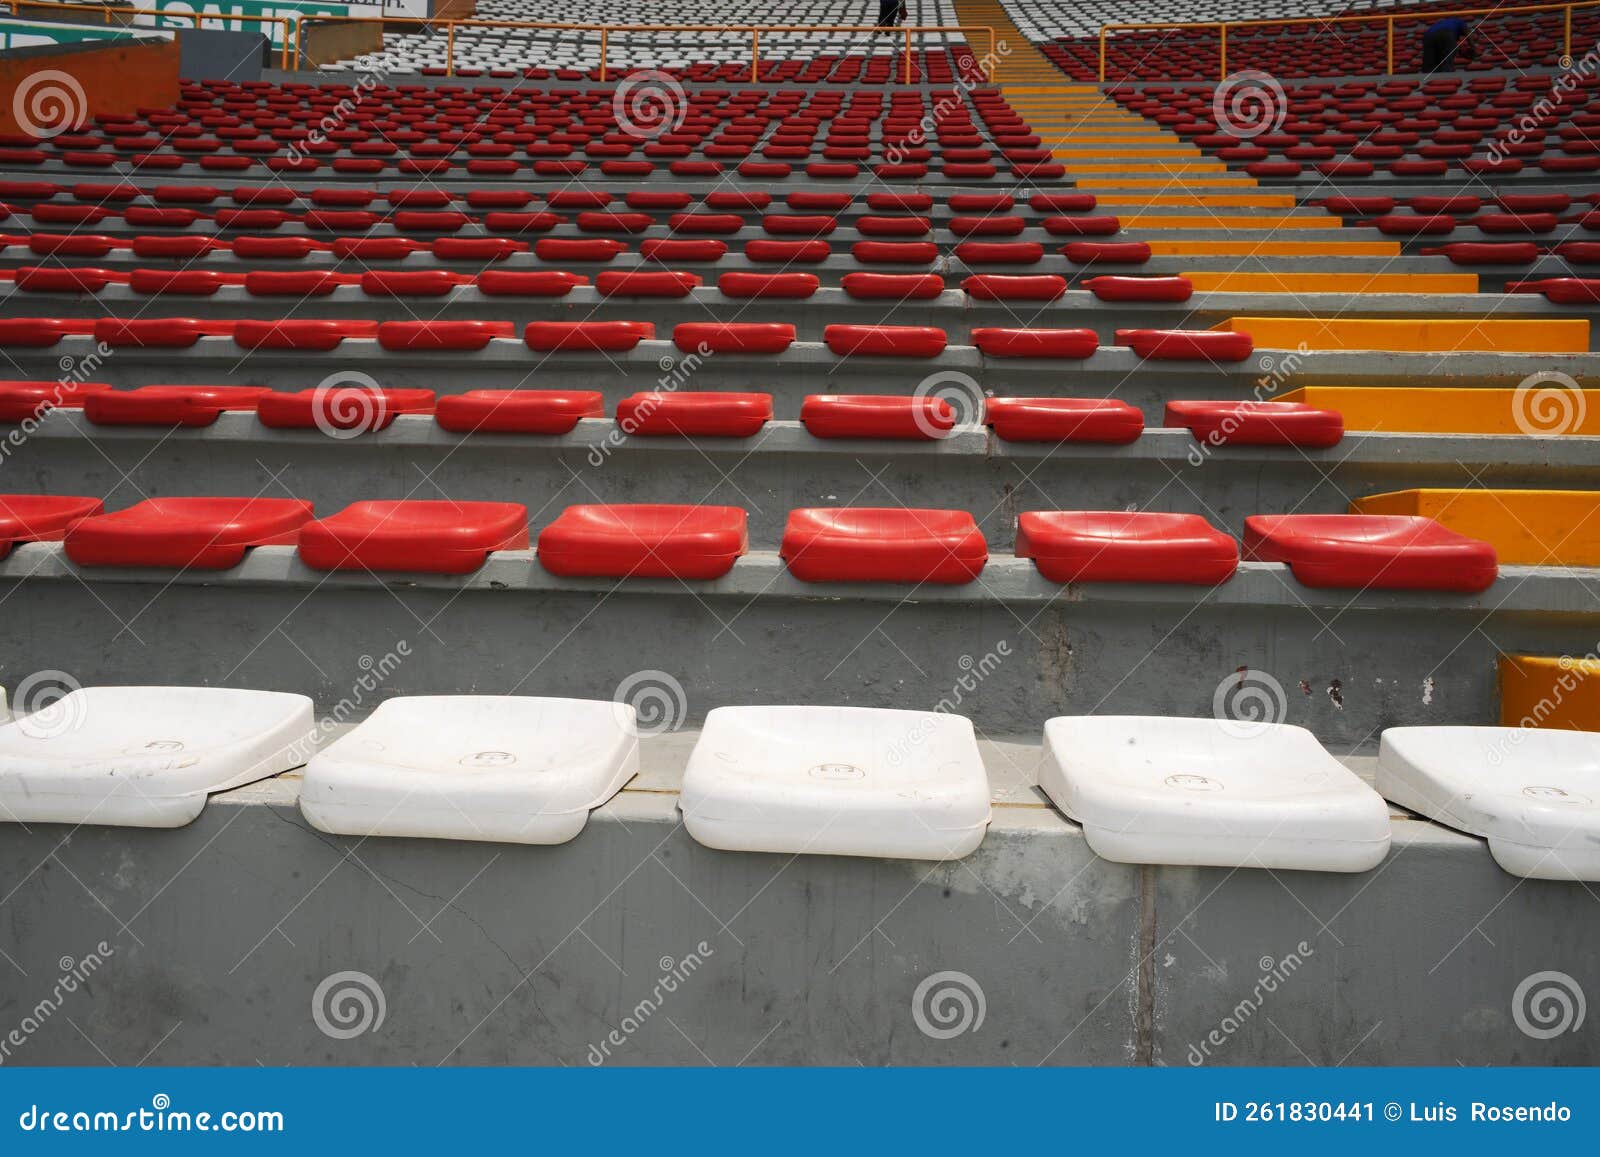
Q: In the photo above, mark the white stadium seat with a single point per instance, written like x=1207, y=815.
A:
x=145, y=756
x=844, y=781
x=1156, y=790
x=501, y=768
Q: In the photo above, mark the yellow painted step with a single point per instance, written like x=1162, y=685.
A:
x=1526, y=527
x=1420, y=335
x=1200, y=200
x=1554, y=691
x=1176, y=169
x=1161, y=183
x=1456, y=410
x=1225, y=282
x=1200, y=221
x=1092, y=151
x=1275, y=249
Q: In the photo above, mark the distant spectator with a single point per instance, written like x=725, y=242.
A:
x=1443, y=41
x=888, y=13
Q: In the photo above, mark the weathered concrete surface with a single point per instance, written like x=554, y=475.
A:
x=952, y=310
x=806, y=367
x=1347, y=663
x=781, y=469
x=219, y=935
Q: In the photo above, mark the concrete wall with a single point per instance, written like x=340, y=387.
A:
x=218, y=936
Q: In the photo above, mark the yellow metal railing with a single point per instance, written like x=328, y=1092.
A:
x=1366, y=18
x=754, y=31
x=16, y=7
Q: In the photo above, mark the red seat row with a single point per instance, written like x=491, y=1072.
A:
x=597, y=250
x=364, y=409
x=610, y=283
x=324, y=334
x=99, y=195
x=829, y=544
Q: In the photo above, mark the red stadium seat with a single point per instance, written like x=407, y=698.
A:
x=528, y=282
x=872, y=544
x=1384, y=551
x=646, y=541
x=159, y=332
x=1187, y=344
x=695, y=414
x=442, y=335
x=646, y=283
x=357, y=409
x=1005, y=342
x=787, y=252
x=1069, y=546
x=22, y=401
x=1108, y=288
x=1247, y=423
x=422, y=535
x=41, y=332
x=1063, y=420
x=914, y=418
x=893, y=286
x=911, y=341
x=300, y=333
x=1106, y=252
x=768, y=285
x=750, y=337
x=1009, y=287
x=40, y=517
x=607, y=336
x=517, y=411
x=895, y=252
x=190, y=533
x=168, y=405
x=668, y=250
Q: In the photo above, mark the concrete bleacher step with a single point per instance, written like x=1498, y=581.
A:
x=1399, y=657
x=781, y=468
x=805, y=367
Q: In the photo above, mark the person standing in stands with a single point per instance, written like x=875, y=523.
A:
x=888, y=13
x=1442, y=42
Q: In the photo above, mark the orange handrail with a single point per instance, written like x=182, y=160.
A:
x=754, y=31
x=197, y=17
x=1388, y=18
